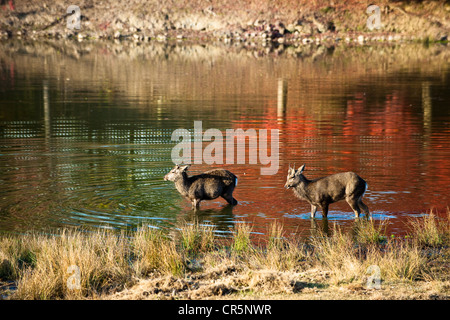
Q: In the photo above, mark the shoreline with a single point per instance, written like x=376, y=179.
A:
x=258, y=23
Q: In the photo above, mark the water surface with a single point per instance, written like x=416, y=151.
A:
x=85, y=130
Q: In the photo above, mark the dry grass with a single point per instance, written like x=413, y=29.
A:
x=281, y=253
x=154, y=251
x=192, y=263
x=351, y=259
x=422, y=18
x=369, y=232
x=431, y=230
x=41, y=264
x=241, y=238
x=196, y=237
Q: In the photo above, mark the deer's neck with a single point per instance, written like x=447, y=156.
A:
x=182, y=184
x=301, y=190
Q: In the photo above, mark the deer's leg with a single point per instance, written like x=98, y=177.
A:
x=196, y=204
x=364, y=208
x=313, y=211
x=354, y=205
x=325, y=210
x=229, y=198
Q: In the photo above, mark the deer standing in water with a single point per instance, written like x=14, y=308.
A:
x=205, y=186
x=322, y=192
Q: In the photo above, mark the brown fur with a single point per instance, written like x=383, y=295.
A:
x=205, y=186
x=324, y=191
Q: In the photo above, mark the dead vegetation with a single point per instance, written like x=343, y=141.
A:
x=279, y=21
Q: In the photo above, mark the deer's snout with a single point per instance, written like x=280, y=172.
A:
x=287, y=185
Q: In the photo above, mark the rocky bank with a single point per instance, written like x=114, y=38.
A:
x=252, y=21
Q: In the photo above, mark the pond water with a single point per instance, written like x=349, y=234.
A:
x=85, y=130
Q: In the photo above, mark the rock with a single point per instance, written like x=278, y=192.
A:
x=258, y=23
x=291, y=28
x=117, y=35
x=118, y=24
x=305, y=29
x=320, y=26
x=281, y=28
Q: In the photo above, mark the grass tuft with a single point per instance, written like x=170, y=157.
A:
x=196, y=237
x=368, y=232
x=153, y=252
x=241, y=239
x=431, y=230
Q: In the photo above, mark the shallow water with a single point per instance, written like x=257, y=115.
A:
x=85, y=130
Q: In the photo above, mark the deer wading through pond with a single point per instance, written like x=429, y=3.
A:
x=205, y=186
x=322, y=192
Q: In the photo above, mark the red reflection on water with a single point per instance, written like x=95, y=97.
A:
x=406, y=167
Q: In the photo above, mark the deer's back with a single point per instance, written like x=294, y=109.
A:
x=211, y=184
x=336, y=187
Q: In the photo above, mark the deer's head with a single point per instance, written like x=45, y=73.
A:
x=294, y=177
x=176, y=173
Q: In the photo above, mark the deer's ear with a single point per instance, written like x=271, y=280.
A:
x=300, y=170
x=184, y=168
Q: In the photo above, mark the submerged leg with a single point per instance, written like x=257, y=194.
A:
x=325, y=211
x=364, y=208
x=229, y=198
